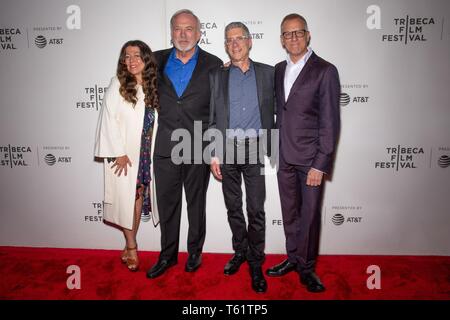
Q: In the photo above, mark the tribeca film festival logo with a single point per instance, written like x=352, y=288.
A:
x=92, y=98
x=15, y=156
x=97, y=212
x=206, y=28
x=347, y=214
x=56, y=155
x=357, y=98
x=407, y=29
x=9, y=38
x=401, y=157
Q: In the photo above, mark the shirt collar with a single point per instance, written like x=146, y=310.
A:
x=250, y=68
x=302, y=61
x=194, y=57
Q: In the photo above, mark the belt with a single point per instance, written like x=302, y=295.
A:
x=241, y=142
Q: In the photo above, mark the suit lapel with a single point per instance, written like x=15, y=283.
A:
x=302, y=76
x=161, y=68
x=259, y=86
x=280, y=81
x=199, y=67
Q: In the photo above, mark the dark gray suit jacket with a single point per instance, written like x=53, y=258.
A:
x=220, y=104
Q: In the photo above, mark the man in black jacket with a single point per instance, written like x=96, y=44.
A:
x=242, y=110
x=184, y=96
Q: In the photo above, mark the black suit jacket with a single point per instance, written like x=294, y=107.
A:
x=220, y=104
x=181, y=112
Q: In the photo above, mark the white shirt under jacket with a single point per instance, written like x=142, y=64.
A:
x=119, y=133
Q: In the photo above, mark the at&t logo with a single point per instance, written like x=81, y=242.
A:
x=345, y=99
x=41, y=42
x=56, y=155
x=50, y=159
x=339, y=219
x=444, y=161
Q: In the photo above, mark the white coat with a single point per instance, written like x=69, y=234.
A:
x=119, y=133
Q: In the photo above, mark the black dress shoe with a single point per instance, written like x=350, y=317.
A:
x=312, y=282
x=193, y=262
x=159, y=268
x=259, y=283
x=281, y=269
x=233, y=265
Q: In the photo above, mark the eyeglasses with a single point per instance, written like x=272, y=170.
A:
x=237, y=39
x=298, y=33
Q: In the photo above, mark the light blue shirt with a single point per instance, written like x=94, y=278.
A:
x=244, y=105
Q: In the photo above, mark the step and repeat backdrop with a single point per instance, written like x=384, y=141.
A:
x=390, y=191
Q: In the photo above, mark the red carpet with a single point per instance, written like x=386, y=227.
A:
x=40, y=273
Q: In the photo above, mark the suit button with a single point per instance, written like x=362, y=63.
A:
x=178, y=102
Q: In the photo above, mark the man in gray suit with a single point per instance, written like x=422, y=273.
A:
x=242, y=109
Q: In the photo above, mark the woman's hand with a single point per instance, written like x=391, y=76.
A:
x=121, y=165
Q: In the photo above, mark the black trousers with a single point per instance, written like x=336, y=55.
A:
x=249, y=241
x=170, y=179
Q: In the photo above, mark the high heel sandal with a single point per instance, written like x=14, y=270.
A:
x=124, y=255
x=132, y=264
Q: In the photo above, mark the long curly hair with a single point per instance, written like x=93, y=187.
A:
x=149, y=76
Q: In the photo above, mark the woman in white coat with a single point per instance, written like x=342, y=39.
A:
x=125, y=136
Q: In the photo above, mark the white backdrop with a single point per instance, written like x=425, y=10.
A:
x=390, y=190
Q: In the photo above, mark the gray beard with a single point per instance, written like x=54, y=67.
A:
x=183, y=49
